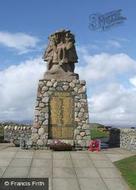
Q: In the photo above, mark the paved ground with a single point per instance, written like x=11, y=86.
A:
x=81, y=170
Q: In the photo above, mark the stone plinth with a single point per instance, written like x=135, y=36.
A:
x=61, y=112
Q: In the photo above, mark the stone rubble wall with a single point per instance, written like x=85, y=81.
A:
x=16, y=133
x=128, y=139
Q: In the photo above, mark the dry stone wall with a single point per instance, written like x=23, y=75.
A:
x=128, y=139
x=19, y=135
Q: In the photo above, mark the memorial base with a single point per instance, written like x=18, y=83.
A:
x=61, y=113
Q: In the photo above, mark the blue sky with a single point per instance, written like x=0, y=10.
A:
x=40, y=18
x=24, y=28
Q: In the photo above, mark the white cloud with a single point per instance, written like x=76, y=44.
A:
x=114, y=106
x=113, y=44
x=18, y=86
x=110, y=101
x=133, y=81
x=104, y=66
x=20, y=41
x=105, y=46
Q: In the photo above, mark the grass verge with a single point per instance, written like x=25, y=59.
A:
x=127, y=168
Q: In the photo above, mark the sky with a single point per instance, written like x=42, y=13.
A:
x=107, y=59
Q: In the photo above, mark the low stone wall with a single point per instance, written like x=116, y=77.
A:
x=128, y=139
x=17, y=134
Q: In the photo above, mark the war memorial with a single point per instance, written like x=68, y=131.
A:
x=61, y=110
x=61, y=116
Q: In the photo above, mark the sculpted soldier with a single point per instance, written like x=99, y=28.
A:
x=71, y=54
x=61, y=55
x=50, y=54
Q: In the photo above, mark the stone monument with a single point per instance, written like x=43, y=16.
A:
x=61, y=110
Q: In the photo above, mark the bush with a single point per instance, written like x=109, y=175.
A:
x=97, y=133
x=1, y=131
